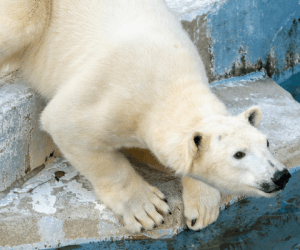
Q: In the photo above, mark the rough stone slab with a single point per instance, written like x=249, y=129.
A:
x=46, y=213
x=23, y=146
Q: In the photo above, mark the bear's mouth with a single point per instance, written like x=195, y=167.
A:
x=270, y=188
x=279, y=181
x=273, y=191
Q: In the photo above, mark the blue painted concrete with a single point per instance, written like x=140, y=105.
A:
x=254, y=223
x=255, y=30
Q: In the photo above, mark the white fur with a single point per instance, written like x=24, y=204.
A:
x=124, y=74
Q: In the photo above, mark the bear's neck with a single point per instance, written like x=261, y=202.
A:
x=175, y=118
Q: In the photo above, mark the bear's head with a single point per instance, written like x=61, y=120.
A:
x=230, y=154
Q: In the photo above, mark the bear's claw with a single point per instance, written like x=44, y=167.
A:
x=144, y=209
x=193, y=222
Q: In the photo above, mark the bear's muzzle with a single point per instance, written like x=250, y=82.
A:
x=280, y=179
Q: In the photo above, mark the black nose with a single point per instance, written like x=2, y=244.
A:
x=281, y=178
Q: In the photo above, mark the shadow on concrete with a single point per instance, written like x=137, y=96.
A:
x=292, y=85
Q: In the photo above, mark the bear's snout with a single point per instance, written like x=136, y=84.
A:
x=281, y=178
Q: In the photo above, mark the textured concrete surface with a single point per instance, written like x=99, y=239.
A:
x=58, y=208
x=23, y=146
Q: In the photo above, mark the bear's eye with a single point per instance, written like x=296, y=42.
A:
x=239, y=155
x=268, y=143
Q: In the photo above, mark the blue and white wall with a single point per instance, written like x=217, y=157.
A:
x=244, y=36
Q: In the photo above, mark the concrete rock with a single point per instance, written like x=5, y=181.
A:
x=23, y=146
x=58, y=207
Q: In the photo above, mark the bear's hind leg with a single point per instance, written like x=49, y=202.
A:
x=201, y=203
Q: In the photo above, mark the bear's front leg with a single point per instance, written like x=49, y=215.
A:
x=118, y=185
x=201, y=203
x=114, y=180
x=120, y=188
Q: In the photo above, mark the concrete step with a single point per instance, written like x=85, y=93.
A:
x=57, y=207
x=23, y=146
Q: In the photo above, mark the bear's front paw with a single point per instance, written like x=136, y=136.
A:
x=201, y=205
x=141, y=208
x=143, y=211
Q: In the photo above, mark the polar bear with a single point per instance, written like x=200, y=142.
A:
x=120, y=74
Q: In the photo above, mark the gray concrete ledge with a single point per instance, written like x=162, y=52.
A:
x=23, y=146
x=49, y=212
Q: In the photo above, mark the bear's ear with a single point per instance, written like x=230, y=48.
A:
x=195, y=142
x=253, y=115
